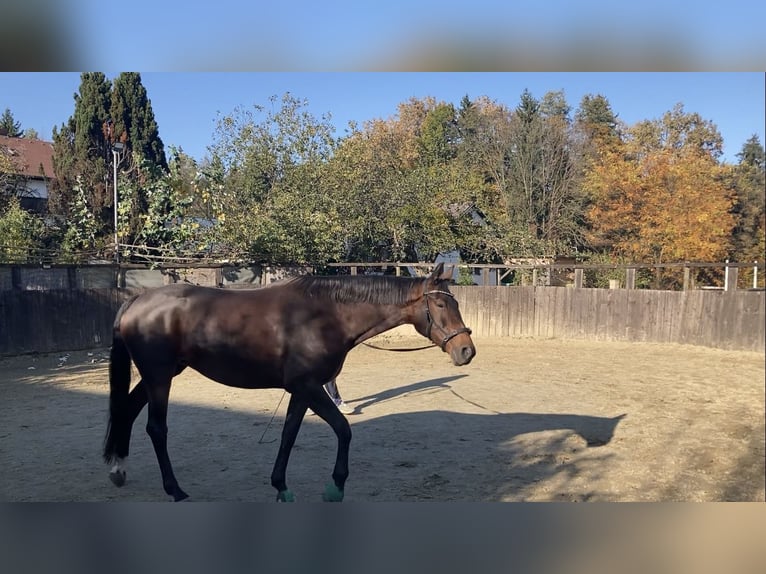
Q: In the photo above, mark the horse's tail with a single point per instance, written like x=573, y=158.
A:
x=118, y=435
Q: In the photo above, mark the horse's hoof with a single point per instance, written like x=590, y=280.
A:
x=118, y=477
x=180, y=495
x=332, y=493
x=285, y=496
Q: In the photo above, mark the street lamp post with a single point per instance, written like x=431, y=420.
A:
x=117, y=149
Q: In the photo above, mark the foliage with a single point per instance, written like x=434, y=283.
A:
x=12, y=184
x=749, y=243
x=133, y=119
x=164, y=222
x=495, y=182
x=20, y=233
x=82, y=153
x=9, y=126
x=397, y=192
x=274, y=200
x=80, y=234
x=105, y=113
x=655, y=200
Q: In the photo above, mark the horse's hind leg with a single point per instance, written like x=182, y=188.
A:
x=136, y=400
x=296, y=410
x=322, y=405
x=158, y=391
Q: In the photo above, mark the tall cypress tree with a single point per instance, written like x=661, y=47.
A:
x=81, y=150
x=134, y=122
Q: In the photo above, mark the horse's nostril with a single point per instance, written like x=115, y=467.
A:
x=467, y=353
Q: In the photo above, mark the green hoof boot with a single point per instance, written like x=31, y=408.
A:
x=286, y=496
x=332, y=493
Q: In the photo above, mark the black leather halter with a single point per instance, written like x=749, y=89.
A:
x=431, y=323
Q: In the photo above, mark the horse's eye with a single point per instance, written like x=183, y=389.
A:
x=440, y=304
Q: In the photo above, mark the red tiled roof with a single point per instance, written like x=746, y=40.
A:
x=33, y=158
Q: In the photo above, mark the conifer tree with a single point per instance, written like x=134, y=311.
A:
x=133, y=117
x=81, y=151
x=9, y=126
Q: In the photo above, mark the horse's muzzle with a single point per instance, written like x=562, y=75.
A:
x=463, y=354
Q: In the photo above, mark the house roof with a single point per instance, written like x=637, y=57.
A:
x=32, y=158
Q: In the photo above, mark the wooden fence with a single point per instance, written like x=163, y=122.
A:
x=726, y=320
x=71, y=319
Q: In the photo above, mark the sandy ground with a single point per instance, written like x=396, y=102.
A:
x=528, y=420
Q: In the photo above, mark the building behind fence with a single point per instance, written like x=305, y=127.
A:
x=73, y=307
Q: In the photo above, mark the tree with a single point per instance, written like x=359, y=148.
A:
x=395, y=185
x=81, y=230
x=438, y=135
x=20, y=233
x=82, y=153
x=9, y=126
x=678, y=130
x=133, y=119
x=12, y=184
x=597, y=122
x=748, y=242
x=541, y=193
x=660, y=205
x=274, y=199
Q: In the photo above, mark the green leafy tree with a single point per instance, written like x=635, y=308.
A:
x=80, y=234
x=396, y=185
x=9, y=126
x=274, y=202
x=438, y=135
x=20, y=233
x=12, y=184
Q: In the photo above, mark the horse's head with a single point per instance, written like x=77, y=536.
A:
x=439, y=318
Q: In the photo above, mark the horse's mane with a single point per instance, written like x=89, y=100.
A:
x=375, y=289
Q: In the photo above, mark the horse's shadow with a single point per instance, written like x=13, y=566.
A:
x=596, y=431
x=360, y=403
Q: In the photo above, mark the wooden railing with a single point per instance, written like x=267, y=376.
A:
x=543, y=274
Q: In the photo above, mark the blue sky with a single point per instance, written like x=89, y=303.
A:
x=349, y=35
x=186, y=105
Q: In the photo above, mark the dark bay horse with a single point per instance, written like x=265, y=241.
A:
x=293, y=335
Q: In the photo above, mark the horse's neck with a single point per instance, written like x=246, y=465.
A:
x=374, y=321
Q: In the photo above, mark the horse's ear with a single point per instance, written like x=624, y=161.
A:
x=437, y=272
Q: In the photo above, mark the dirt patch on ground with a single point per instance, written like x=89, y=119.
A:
x=528, y=420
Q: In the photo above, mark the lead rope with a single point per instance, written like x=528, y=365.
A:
x=268, y=426
x=399, y=350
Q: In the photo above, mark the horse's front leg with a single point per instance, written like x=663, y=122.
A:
x=296, y=410
x=321, y=403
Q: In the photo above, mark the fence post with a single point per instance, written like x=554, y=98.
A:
x=353, y=270
x=730, y=279
x=755, y=274
x=630, y=278
x=687, y=278
x=578, y=278
x=534, y=277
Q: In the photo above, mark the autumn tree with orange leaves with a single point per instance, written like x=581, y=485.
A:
x=662, y=195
